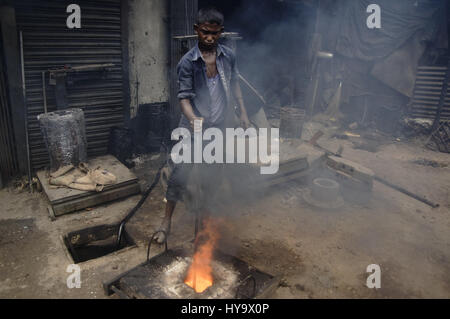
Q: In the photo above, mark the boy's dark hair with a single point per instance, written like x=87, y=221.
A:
x=210, y=15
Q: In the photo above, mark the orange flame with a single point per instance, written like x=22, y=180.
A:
x=199, y=275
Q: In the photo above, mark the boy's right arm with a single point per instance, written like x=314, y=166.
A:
x=186, y=90
x=187, y=110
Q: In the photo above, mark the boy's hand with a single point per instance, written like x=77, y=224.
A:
x=245, y=123
x=195, y=119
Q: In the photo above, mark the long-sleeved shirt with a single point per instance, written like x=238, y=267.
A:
x=206, y=100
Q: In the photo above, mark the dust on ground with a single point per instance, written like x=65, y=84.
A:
x=315, y=253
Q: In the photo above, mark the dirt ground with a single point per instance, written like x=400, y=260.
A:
x=316, y=253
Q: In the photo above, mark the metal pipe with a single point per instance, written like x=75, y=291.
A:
x=406, y=192
x=26, y=110
x=138, y=205
x=44, y=93
x=194, y=36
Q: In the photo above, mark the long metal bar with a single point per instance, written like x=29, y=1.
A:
x=385, y=182
x=251, y=87
x=138, y=205
x=194, y=36
x=26, y=109
x=406, y=192
x=44, y=93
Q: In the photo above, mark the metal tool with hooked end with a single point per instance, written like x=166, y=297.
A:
x=139, y=204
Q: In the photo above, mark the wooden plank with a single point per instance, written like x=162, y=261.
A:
x=294, y=165
x=281, y=179
x=87, y=194
x=108, y=162
x=96, y=199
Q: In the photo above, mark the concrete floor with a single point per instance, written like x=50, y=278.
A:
x=317, y=253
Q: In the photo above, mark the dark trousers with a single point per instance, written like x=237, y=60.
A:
x=210, y=177
x=204, y=181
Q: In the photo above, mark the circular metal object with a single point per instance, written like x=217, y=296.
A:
x=324, y=193
x=325, y=189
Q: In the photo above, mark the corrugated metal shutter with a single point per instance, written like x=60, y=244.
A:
x=427, y=93
x=48, y=43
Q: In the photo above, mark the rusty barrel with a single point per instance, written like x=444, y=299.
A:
x=291, y=122
x=65, y=137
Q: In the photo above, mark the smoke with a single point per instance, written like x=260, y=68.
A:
x=273, y=52
x=276, y=56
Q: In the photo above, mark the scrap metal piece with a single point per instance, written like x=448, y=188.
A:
x=406, y=192
x=441, y=138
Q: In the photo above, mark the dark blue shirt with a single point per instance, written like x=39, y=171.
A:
x=193, y=84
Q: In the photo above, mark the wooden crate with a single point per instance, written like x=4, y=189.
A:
x=64, y=200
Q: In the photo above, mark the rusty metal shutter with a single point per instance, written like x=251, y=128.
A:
x=48, y=43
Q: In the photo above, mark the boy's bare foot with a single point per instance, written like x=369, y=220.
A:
x=160, y=237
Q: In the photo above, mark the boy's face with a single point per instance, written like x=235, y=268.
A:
x=208, y=33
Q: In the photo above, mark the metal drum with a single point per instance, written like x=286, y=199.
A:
x=291, y=122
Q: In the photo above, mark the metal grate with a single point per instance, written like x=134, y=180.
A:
x=48, y=43
x=428, y=90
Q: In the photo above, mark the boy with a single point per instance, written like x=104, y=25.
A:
x=207, y=78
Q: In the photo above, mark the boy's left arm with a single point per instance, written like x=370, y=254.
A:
x=244, y=121
x=236, y=88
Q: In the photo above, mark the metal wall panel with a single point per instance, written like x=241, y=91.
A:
x=48, y=43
